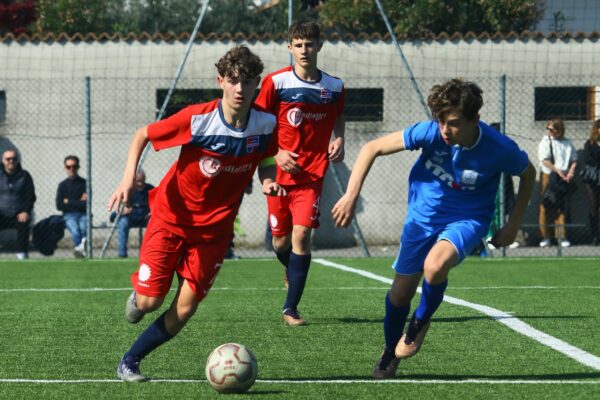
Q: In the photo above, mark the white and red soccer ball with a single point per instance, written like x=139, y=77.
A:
x=231, y=368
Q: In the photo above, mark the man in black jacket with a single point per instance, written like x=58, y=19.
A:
x=71, y=198
x=17, y=196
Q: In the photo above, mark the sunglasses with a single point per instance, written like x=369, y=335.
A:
x=72, y=166
x=10, y=159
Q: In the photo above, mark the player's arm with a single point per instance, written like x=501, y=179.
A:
x=266, y=175
x=507, y=234
x=343, y=211
x=123, y=192
x=336, y=147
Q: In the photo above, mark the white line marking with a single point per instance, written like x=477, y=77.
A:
x=513, y=323
x=327, y=381
x=244, y=289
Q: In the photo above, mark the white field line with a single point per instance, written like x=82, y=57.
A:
x=510, y=321
x=327, y=381
x=251, y=289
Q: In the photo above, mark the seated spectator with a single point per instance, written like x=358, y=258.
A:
x=135, y=215
x=71, y=198
x=17, y=197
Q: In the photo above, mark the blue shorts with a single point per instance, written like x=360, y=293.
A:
x=418, y=239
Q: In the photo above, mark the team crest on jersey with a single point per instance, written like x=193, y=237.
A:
x=326, y=96
x=469, y=177
x=295, y=116
x=209, y=166
x=252, y=143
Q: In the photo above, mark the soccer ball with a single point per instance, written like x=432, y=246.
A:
x=231, y=368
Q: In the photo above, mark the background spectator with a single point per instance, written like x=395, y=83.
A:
x=17, y=197
x=591, y=178
x=135, y=216
x=71, y=199
x=556, y=154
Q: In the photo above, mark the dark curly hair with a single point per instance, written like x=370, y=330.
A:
x=455, y=94
x=240, y=63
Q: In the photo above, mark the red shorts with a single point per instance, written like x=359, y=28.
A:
x=299, y=207
x=163, y=253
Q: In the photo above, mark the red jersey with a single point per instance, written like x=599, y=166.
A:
x=306, y=114
x=204, y=186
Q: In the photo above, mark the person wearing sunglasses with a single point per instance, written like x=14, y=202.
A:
x=17, y=197
x=71, y=198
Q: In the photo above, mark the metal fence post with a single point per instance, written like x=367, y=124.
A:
x=88, y=188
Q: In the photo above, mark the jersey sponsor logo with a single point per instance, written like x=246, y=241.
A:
x=326, y=96
x=252, y=143
x=439, y=171
x=209, y=166
x=217, y=146
x=295, y=116
x=144, y=273
x=296, y=96
x=237, y=169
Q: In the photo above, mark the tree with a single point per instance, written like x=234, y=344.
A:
x=418, y=17
x=73, y=16
x=16, y=16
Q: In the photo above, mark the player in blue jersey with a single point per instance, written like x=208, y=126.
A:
x=452, y=191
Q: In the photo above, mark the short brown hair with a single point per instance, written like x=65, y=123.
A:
x=240, y=63
x=558, y=125
x=304, y=30
x=455, y=94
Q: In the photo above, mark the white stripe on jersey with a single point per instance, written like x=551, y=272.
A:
x=288, y=79
x=210, y=124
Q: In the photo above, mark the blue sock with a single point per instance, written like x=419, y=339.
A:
x=393, y=323
x=284, y=256
x=431, y=298
x=155, y=335
x=297, y=273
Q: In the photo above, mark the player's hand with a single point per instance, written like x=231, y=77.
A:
x=504, y=236
x=273, y=189
x=343, y=211
x=287, y=161
x=336, y=150
x=121, y=196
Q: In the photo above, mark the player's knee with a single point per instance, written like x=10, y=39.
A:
x=186, y=311
x=434, y=270
x=400, y=299
x=281, y=243
x=148, y=304
x=301, y=239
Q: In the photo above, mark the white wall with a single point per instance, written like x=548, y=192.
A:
x=44, y=85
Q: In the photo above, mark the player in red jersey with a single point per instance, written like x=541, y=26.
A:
x=309, y=105
x=194, y=207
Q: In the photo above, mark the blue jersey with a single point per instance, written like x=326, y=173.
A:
x=451, y=183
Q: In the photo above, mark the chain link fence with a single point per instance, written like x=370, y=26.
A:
x=48, y=119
